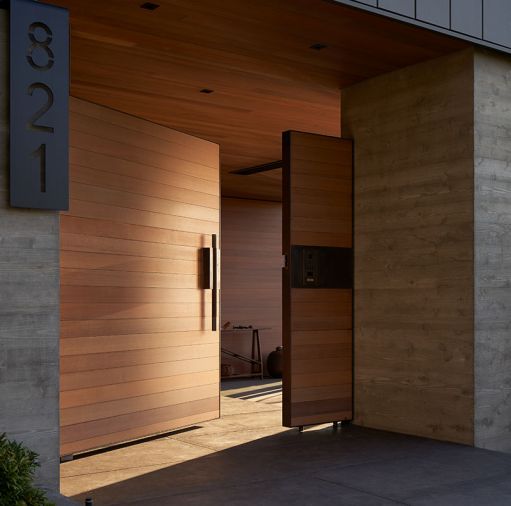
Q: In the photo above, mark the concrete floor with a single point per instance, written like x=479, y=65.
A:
x=247, y=458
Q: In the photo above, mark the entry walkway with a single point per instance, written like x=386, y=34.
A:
x=247, y=458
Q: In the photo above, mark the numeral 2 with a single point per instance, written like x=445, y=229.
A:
x=43, y=110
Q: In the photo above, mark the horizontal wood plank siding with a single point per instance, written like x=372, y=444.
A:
x=137, y=352
x=251, y=274
x=265, y=78
x=317, y=322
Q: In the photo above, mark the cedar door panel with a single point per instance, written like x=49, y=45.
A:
x=138, y=355
x=317, y=318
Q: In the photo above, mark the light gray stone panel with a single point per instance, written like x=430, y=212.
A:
x=467, y=17
x=435, y=12
x=497, y=21
x=404, y=7
x=463, y=19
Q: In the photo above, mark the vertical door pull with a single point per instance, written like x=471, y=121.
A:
x=214, y=294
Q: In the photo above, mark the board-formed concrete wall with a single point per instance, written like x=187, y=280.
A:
x=433, y=248
x=29, y=311
x=414, y=308
x=492, y=211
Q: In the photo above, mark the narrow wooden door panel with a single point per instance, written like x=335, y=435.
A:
x=317, y=320
x=138, y=353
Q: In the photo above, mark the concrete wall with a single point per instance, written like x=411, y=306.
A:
x=414, y=304
x=29, y=311
x=492, y=251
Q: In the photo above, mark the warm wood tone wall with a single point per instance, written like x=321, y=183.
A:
x=251, y=273
x=317, y=322
x=254, y=55
x=414, y=316
x=136, y=354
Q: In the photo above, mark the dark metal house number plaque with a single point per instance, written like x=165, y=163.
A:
x=39, y=94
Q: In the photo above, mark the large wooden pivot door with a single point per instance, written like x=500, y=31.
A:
x=139, y=353
x=317, y=279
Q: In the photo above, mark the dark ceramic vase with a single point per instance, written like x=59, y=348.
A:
x=274, y=363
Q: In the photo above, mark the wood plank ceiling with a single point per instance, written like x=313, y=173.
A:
x=256, y=56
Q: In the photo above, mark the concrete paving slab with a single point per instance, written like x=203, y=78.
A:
x=158, y=453
x=60, y=500
x=222, y=441
x=403, y=478
x=495, y=491
x=247, y=457
x=303, y=491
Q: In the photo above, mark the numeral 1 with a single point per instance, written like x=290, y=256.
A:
x=41, y=153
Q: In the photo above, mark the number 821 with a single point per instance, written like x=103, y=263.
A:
x=41, y=46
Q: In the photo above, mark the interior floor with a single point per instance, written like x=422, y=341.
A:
x=248, y=458
x=267, y=392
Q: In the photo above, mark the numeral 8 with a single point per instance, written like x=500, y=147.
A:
x=42, y=44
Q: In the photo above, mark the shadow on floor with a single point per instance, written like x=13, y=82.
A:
x=268, y=391
x=261, y=392
x=348, y=466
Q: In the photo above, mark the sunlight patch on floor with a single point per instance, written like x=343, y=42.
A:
x=241, y=422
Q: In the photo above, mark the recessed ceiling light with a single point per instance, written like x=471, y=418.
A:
x=206, y=90
x=318, y=46
x=149, y=6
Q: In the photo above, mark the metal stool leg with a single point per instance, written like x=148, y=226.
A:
x=259, y=356
x=252, y=356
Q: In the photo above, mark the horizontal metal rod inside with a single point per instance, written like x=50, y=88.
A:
x=247, y=171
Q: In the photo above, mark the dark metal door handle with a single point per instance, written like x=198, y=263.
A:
x=214, y=294
x=209, y=277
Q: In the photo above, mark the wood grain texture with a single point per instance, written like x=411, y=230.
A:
x=317, y=204
x=251, y=274
x=492, y=263
x=256, y=56
x=137, y=352
x=414, y=317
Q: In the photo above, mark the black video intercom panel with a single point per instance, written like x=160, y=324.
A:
x=321, y=267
